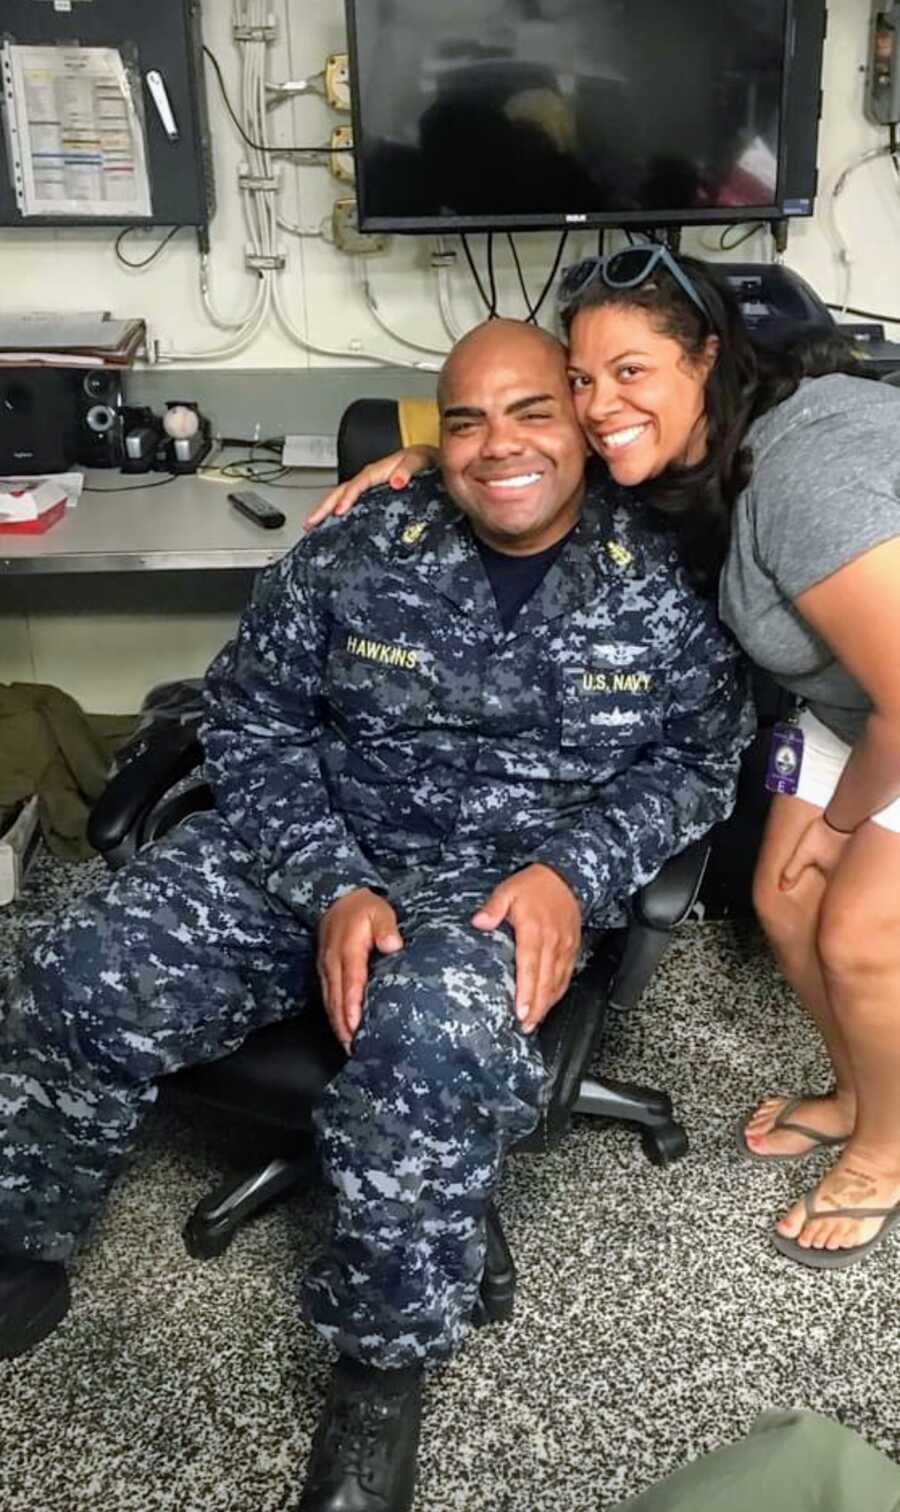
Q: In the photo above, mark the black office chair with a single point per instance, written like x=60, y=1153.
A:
x=276, y=1077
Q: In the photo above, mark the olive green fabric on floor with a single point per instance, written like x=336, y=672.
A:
x=789, y=1462
x=49, y=746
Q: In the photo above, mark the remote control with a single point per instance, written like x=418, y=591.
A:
x=257, y=510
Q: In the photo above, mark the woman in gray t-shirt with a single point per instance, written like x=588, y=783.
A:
x=781, y=477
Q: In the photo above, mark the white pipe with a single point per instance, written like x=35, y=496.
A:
x=833, y=230
x=242, y=340
x=321, y=351
x=362, y=273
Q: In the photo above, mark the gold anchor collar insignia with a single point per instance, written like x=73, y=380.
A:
x=619, y=553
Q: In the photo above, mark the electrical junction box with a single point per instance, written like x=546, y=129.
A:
x=347, y=235
x=341, y=155
x=883, y=79
x=337, y=81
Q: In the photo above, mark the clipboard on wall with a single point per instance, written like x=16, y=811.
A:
x=127, y=50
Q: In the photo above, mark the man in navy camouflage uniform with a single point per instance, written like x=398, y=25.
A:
x=451, y=736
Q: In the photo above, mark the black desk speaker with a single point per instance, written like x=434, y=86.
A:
x=99, y=400
x=52, y=418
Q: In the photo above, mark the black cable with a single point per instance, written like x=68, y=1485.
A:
x=257, y=469
x=736, y=241
x=552, y=274
x=866, y=314
x=474, y=271
x=126, y=261
x=274, y=443
x=780, y=230
x=252, y=469
x=270, y=482
x=522, y=284
x=240, y=477
x=259, y=146
x=136, y=487
x=492, y=276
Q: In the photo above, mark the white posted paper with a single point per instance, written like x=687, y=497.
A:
x=75, y=137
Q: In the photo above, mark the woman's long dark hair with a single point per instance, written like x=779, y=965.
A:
x=746, y=379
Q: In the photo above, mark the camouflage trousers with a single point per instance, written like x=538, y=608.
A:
x=181, y=956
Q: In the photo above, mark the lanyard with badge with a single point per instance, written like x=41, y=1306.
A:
x=785, y=754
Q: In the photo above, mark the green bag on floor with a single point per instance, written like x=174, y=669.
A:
x=789, y=1462
x=49, y=746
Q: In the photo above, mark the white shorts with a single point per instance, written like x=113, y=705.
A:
x=824, y=759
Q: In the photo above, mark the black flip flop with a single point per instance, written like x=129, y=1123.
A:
x=820, y=1141
x=824, y=1259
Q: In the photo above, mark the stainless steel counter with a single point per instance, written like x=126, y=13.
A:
x=185, y=525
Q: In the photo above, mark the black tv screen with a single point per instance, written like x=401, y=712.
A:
x=474, y=114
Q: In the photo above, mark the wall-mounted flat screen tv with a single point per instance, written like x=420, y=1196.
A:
x=480, y=114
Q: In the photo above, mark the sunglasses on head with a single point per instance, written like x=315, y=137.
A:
x=627, y=269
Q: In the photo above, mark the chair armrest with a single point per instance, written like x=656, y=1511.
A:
x=669, y=898
x=140, y=784
x=656, y=910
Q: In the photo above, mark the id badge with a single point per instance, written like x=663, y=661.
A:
x=785, y=759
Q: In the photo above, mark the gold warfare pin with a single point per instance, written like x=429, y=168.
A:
x=414, y=532
x=620, y=554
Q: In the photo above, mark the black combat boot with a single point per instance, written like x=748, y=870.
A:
x=34, y=1297
x=363, y=1456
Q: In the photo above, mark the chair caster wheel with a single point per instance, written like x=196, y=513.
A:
x=202, y=1242
x=664, y=1145
x=497, y=1295
x=215, y=1221
x=492, y=1310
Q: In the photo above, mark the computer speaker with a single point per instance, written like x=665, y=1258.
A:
x=99, y=401
x=39, y=429
x=54, y=418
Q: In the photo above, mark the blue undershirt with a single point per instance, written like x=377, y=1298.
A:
x=515, y=578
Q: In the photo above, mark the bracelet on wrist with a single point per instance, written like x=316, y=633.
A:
x=834, y=827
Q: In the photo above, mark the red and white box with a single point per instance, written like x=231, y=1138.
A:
x=29, y=506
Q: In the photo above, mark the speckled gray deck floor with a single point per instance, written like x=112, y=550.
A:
x=653, y=1321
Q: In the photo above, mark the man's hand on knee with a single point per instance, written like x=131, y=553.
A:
x=546, y=919
x=354, y=926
